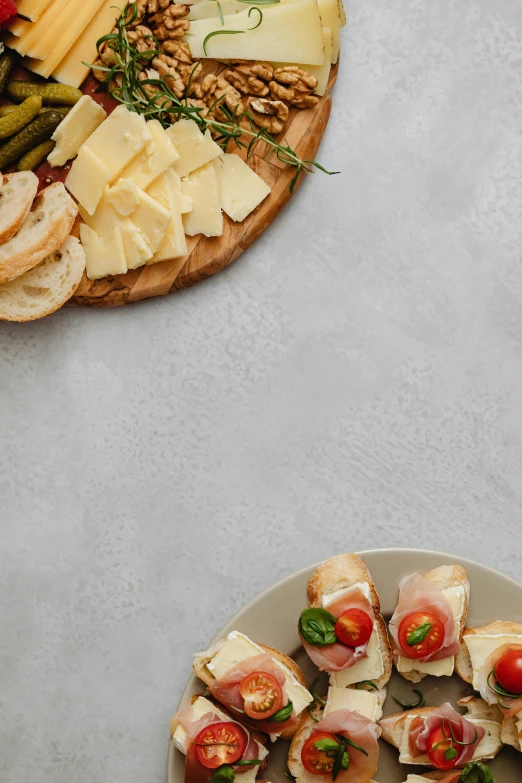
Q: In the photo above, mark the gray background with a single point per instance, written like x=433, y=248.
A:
x=355, y=381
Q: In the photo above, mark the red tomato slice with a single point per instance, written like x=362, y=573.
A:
x=432, y=640
x=354, y=627
x=438, y=746
x=220, y=743
x=316, y=761
x=508, y=671
x=262, y=694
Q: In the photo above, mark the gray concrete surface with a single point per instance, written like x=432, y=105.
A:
x=355, y=381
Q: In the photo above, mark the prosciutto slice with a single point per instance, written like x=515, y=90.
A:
x=417, y=594
x=226, y=690
x=195, y=772
x=508, y=705
x=421, y=730
x=337, y=657
x=361, y=731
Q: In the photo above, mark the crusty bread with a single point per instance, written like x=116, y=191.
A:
x=443, y=577
x=201, y=670
x=43, y=231
x=345, y=571
x=46, y=287
x=509, y=733
x=393, y=725
x=17, y=192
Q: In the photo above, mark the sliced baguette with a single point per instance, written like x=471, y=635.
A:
x=17, y=192
x=393, y=725
x=43, y=231
x=201, y=670
x=443, y=577
x=45, y=287
x=345, y=571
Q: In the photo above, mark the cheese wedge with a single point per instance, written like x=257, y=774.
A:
x=32, y=9
x=75, y=129
x=57, y=29
x=102, y=257
x=87, y=179
x=331, y=18
x=194, y=148
x=240, y=187
x=118, y=140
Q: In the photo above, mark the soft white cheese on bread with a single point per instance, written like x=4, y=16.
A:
x=200, y=708
x=481, y=646
x=486, y=749
x=415, y=779
x=457, y=597
x=236, y=648
x=366, y=703
x=369, y=668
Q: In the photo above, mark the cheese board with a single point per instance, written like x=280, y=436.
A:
x=176, y=133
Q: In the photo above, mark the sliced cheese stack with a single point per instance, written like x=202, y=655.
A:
x=58, y=37
x=141, y=188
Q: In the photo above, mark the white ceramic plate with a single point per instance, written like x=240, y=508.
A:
x=271, y=618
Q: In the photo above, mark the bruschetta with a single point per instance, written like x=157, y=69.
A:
x=474, y=770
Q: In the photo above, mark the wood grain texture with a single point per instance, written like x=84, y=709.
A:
x=207, y=256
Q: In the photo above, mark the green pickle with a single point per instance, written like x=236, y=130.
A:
x=50, y=93
x=39, y=130
x=10, y=107
x=6, y=66
x=32, y=159
x=22, y=116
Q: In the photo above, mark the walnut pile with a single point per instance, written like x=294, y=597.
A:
x=265, y=92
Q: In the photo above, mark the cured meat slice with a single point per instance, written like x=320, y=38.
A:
x=360, y=730
x=508, y=705
x=463, y=730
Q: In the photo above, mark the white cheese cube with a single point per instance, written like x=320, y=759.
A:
x=194, y=148
x=119, y=139
x=102, y=258
x=87, y=179
x=75, y=129
x=241, y=189
x=154, y=159
x=166, y=190
x=203, y=188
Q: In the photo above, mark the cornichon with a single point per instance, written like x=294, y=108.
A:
x=6, y=66
x=49, y=93
x=8, y=108
x=21, y=117
x=40, y=129
x=32, y=159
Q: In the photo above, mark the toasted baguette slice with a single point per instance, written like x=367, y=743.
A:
x=443, y=577
x=345, y=571
x=304, y=729
x=43, y=231
x=393, y=725
x=45, y=287
x=17, y=192
x=203, y=672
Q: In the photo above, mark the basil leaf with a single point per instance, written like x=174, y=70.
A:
x=283, y=714
x=326, y=744
x=341, y=760
x=475, y=772
x=249, y=763
x=421, y=701
x=419, y=634
x=316, y=626
x=450, y=753
x=222, y=774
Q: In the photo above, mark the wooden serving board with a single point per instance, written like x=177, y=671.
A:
x=207, y=256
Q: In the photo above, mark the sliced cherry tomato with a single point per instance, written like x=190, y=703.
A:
x=354, y=627
x=420, y=634
x=441, y=751
x=262, y=694
x=220, y=743
x=508, y=671
x=316, y=761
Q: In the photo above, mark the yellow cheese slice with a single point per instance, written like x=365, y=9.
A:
x=137, y=251
x=119, y=139
x=87, y=178
x=321, y=72
x=166, y=190
x=32, y=9
x=33, y=31
x=102, y=258
x=290, y=33
x=194, y=148
x=205, y=9
x=71, y=69
x=75, y=129
x=54, y=44
x=331, y=17
x=203, y=188
x=17, y=27
x=241, y=189
x=154, y=158
x=151, y=219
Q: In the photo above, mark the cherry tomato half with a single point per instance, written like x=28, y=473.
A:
x=354, y=627
x=316, y=761
x=220, y=743
x=262, y=694
x=432, y=632
x=439, y=747
x=508, y=671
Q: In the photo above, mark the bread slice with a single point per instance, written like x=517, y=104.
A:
x=393, y=725
x=343, y=571
x=46, y=287
x=43, y=231
x=17, y=192
x=443, y=577
x=200, y=669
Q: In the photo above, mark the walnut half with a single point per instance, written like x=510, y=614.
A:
x=270, y=115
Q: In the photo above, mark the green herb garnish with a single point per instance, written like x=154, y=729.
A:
x=222, y=774
x=476, y=772
x=219, y=32
x=419, y=634
x=369, y=683
x=283, y=714
x=316, y=700
x=421, y=701
x=259, y=11
x=316, y=626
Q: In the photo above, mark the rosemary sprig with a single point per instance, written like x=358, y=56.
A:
x=123, y=83
x=219, y=32
x=421, y=701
